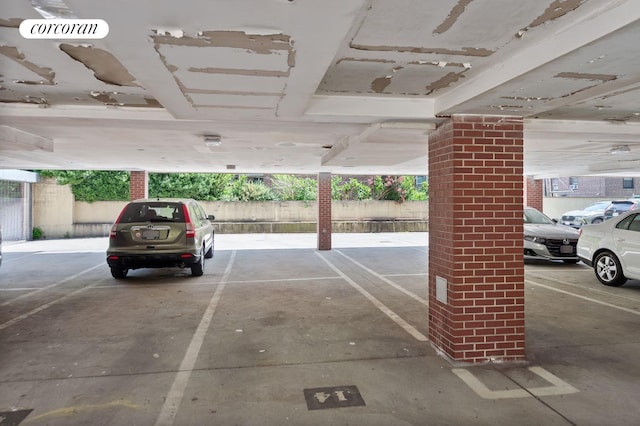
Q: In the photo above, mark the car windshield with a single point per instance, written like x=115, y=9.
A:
x=153, y=212
x=598, y=206
x=535, y=217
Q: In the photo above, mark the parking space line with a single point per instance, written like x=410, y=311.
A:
x=45, y=306
x=589, y=289
x=282, y=280
x=392, y=315
x=8, y=302
x=386, y=280
x=172, y=402
x=589, y=299
x=14, y=259
x=19, y=289
x=560, y=387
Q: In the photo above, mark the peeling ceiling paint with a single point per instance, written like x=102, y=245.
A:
x=15, y=55
x=464, y=51
x=260, y=44
x=210, y=70
x=111, y=99
x=445, y=81
x=10, y=23
x=585, y=76
x=104, y=65
x=457, y=10
x=231, y=69
x=555, y=10
x=379, y=84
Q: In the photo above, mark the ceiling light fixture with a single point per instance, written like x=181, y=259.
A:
x=212, y=140
x=620, y=149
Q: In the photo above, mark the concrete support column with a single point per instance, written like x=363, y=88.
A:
x=138, y=185
x=476, y=268
x=324, y=211
x=533, y=192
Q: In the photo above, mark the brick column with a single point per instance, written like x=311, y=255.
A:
x=476, y=267
x=138, y=185
x=533, y=192
x=324, y=211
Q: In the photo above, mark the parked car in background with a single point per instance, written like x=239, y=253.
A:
x=0, y=245
x=545, y=239
x=612, y=248
x=618, y=207
x=593, y=213
x=159, y=233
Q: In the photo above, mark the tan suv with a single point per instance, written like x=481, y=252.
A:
x=160, y=233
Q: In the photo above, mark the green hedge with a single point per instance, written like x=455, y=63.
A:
x=114, y=186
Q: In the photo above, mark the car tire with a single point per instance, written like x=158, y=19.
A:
x=197, y=269
x=209, y=253
x=119, y=273
x=596, y=220
x=608, y=269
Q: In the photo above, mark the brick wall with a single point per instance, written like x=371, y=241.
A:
x=324, y=211
x=138, y=185
x=475, y=242
x=533, y=193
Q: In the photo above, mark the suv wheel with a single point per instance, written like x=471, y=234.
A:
x=197, y=269
x=608, y=269
x=118, y=273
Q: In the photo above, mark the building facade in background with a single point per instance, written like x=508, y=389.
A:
x=593, y=186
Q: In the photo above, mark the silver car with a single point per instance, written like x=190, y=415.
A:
x=593, y=213
x=545, y=239
x=612, y=248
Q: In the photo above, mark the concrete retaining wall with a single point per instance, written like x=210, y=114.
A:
x=59, y=216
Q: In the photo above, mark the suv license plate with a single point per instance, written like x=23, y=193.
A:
x=151, y=235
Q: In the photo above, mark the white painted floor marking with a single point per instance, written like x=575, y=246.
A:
x=589, y=289
x=45, y=306
x=19, y=289
x=402, y=323
x=8, y=302
x=386, y=280
x=283, y=280
x=589, y=299
x=559, y=387
x=422, y=274
x=172, y=403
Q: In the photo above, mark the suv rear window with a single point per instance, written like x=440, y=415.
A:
x=155, y=211
x=621, y=206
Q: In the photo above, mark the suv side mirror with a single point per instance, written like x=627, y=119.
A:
x=211, y=217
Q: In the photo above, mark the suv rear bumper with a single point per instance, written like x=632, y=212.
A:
x=136, y=261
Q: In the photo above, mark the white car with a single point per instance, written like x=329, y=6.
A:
x=545, y=239
x=612, y=248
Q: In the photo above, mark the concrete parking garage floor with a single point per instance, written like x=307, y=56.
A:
x=278, y=333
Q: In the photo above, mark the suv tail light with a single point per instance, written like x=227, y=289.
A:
x=191, y=230
x=114, y=229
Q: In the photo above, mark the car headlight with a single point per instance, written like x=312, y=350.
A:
x=535, y=239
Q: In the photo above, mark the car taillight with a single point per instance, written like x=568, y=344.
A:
x=114, y=229
x=113, y=233
x=191, y=230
